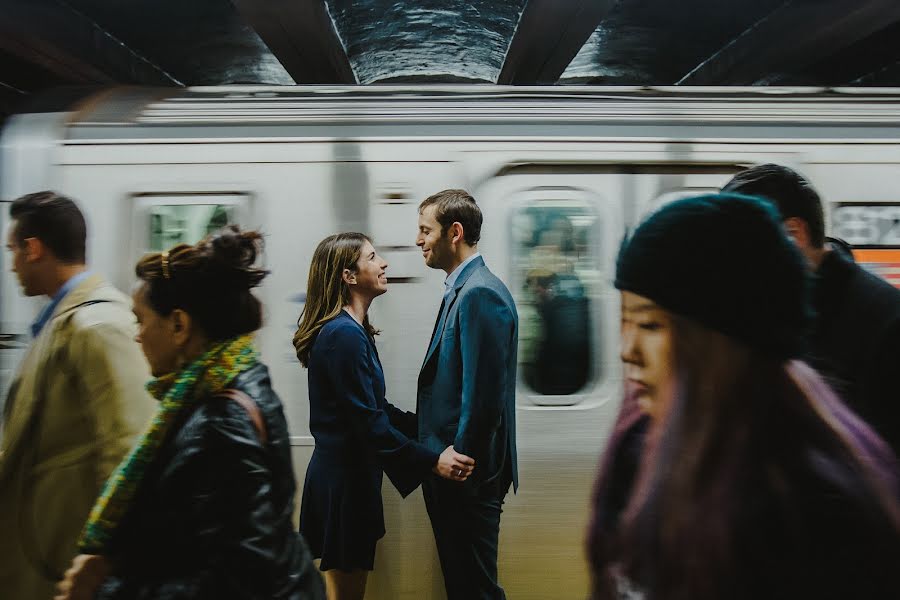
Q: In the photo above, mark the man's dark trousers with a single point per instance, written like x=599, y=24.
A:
x=466, y=524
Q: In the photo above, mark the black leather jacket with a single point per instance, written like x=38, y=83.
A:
x=212, y=518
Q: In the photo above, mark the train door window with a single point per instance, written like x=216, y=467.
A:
x=167, y=220
x=556, y=276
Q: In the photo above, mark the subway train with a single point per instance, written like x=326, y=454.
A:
x=560, y=173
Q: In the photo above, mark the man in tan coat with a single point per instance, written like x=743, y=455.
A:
x=76, y=404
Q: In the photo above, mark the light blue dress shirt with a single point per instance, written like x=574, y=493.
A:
x=452, y=277
x=47, y=312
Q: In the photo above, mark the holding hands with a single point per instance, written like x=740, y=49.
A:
x=83, y=578
x=454, y=466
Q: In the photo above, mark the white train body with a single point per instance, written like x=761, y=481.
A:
x=153, y=167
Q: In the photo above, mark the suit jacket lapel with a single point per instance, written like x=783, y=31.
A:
x=449, y=299
x=440, y=324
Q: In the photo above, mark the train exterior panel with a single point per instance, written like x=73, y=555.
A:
x=560, y=174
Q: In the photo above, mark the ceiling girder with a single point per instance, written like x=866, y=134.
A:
x=301, y=35
x=887, y=76
x=53, y=36
x=549, y=35
x=791, y=37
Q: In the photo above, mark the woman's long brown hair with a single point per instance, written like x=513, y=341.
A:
x=326, y=292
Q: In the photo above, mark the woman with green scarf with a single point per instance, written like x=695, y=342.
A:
x=201, y=507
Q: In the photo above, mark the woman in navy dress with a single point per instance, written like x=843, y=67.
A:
x=358, y=434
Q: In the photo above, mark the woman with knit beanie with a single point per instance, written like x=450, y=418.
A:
x=734, y=472
x=201, y=508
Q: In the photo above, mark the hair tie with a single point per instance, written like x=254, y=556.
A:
x=165, y=265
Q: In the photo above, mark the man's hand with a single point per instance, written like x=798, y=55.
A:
x=454, y=466
x=83, y=578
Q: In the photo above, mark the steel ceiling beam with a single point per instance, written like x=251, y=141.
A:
x=886, y=76
x=302, y=36
x=10, y=98
x=60, y=40
x=549, y=35
x=791, y=37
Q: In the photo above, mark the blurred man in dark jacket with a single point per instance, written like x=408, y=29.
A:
x=855, y=342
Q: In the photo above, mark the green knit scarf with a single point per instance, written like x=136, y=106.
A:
x=176, y=392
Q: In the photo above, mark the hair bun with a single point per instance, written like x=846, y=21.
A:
x=232, y=254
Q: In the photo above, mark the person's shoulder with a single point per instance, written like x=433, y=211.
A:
x=341, y=324
x=105, y=307
x=219, y=421
x=881, y=298
x=254, y=382
x=483, y=284
x=482, y=277
x=342, y=331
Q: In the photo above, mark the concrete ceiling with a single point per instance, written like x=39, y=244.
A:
x=50, y=43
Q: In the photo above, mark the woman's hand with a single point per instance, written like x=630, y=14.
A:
x=83, y=578
x=454, y=466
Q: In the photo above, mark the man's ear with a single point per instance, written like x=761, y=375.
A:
x=34, y=249
x=456, y=232
x=798, y=230
x=349, y=277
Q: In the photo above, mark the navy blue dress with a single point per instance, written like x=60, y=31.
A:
x=359, y=435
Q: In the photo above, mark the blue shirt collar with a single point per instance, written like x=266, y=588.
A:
x=47, y=311
x=452, y=277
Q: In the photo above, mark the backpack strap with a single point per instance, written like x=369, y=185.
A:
x=252, y=411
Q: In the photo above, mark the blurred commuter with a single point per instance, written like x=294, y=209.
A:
x=467, y=395
x=76, y=404
x=754, y=480
x=856, y=339
x=359, y=434
x=562, y=357
x=201, y=508
x=555, y=353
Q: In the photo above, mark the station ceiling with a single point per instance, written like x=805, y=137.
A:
x=50, y=43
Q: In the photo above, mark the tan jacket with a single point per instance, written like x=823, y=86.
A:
x=74, y=410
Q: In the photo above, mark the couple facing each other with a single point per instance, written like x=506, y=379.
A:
x=460, y=443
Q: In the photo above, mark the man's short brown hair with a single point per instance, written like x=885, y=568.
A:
x=456, y=206
x=55, y=220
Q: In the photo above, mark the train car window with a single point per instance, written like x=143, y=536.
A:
x=170, y=225
x=555, y=272
x=167, y=220
x=873, y=232
x=867, y=225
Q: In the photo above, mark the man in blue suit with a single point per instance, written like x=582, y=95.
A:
x=466, y=396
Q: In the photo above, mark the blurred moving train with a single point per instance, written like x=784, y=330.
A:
x=560, y=174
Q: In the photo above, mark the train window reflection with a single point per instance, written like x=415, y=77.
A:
x=556, y=270
x=185, y=223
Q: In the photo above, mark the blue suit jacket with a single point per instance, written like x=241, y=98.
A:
x=467, y=385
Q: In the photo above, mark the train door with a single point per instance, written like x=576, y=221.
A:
x=552, y=233
x=650, y=190
x=16, y=312
x=552, y=238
